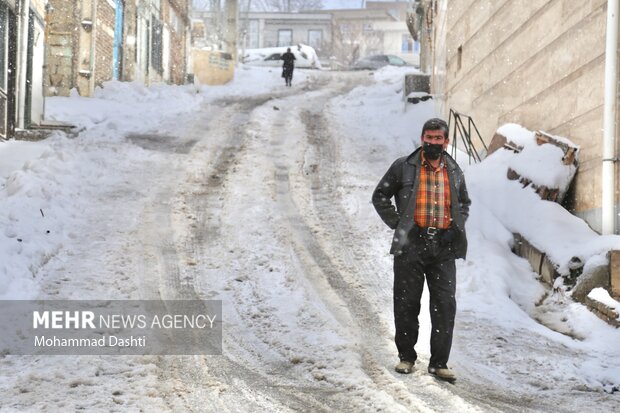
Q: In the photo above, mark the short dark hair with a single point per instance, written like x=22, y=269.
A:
x=436, y=124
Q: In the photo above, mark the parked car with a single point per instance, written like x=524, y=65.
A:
x=305, y=56
x=378, y=61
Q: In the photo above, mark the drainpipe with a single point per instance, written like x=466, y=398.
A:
x=22, y=62
x=609, y=119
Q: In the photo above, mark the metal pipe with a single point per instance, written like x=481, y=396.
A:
x=608, y=222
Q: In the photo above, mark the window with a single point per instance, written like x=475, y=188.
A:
x=253, y=34
x=367, y=27
x=285, y=37
x=157, y=44
x=406, y=44
x=315, y=38
x=275, y=56
x=396, y=61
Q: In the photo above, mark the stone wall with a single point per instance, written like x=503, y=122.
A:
x=62, y=38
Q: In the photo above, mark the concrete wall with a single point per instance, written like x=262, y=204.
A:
x=128, y=68
x=539, y=63
x=212, y=67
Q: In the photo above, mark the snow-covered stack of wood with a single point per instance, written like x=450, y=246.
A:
x=543, y=161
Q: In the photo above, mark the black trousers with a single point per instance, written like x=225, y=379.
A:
x=287, y=73
x=425, y=257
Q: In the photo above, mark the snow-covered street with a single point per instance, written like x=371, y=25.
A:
x=259, y=195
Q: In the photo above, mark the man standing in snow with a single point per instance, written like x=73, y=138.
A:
x=288, y=66
x=432, y=205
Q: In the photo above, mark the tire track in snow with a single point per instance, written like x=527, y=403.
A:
x=342, y=262
x=316, y=263
x=339, y=236
x=212, y=379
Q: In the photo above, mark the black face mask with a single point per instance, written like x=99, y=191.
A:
x=432, y=150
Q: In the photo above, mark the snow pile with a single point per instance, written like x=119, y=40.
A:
x=541, y=164
x=602, y=296
x=121, y=107
x=547, y=225
x=38, y=208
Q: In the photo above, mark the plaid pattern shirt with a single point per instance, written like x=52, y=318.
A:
x=432, y=208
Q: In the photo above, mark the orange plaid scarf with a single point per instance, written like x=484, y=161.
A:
x=432, y=207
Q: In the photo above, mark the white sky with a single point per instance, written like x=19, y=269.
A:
x=106, y=201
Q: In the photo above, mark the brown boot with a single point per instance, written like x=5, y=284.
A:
x=404, y=367
x=442, y=373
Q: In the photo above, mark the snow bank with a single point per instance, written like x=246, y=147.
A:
x=547, y=225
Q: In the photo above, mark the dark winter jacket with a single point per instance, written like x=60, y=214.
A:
x=401, y=182
x=289, y=59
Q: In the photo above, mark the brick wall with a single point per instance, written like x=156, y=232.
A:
x=178, y=48
x=104, y=40
x=177, y=58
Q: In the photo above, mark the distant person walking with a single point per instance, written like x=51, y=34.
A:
x=432, y=205
x=288, y=66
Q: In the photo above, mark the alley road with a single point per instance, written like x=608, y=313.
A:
x=262, y=202
x=255, y=219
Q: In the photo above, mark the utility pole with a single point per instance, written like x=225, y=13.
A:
x=425, y=14
x=245, y=26
x=231, y=32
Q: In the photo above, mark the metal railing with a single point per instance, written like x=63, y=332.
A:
x=463, y=131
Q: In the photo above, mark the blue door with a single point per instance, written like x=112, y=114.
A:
x=117, y=50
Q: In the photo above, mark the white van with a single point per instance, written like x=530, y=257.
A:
x=305, y=56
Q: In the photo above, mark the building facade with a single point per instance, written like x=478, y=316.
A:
x=93, y=41
x=379, y=28
x=338, y=36
x=538, y=63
